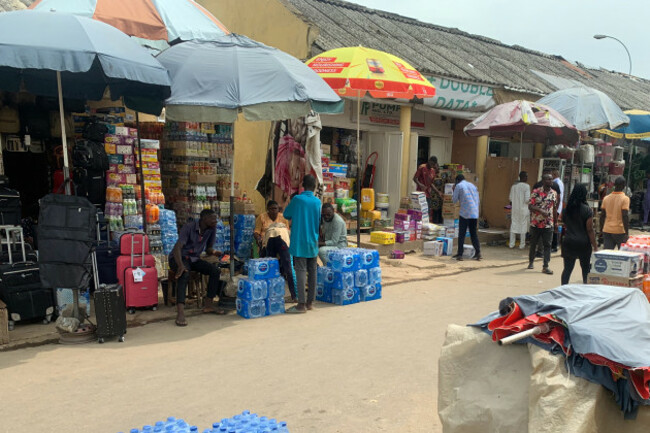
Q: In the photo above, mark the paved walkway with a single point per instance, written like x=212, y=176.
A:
x=414, y=267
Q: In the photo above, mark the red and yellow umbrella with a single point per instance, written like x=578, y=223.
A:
x=355, y=71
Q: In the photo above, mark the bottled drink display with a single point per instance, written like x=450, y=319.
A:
x=351, y=275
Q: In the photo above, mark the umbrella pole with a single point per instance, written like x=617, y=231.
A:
x=521, y=152
x=629, y=168
x=358, y=170
x=143, y=201
x=232, y=206
x=64, y=140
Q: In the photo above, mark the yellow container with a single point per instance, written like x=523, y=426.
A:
x=382, y=238
x=367, y=199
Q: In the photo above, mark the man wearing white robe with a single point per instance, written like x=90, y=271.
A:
x=520, y=215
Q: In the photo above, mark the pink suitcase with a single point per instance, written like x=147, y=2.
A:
x=133, y=242
x=138, y=294
x=124, y=262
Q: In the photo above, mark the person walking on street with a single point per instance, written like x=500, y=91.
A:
x=579, y=238
x=520, y=215
x=304, y=212
x=556, y=188
x=543, y=208
x=560, y=205
x=467, y=194
x=423, y=178
x=614, y=218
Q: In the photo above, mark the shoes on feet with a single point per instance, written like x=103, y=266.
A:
x=478, y=258
x=530, y=266
x=547, y=271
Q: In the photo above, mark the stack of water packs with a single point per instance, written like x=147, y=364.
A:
x=262, y=292
x=352, y=275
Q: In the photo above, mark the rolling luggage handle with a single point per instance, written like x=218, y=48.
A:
x=9, y=231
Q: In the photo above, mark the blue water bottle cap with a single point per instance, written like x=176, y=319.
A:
x=135, y=430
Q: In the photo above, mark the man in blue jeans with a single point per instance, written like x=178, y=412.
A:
x=304, y=213
x=467, y=194
x=194, y=238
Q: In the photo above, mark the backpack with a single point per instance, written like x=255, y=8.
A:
x=95, y=132
x=90, y=155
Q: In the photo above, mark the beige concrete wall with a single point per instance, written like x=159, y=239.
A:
x=267, y=21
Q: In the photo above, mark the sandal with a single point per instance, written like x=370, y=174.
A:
x=296, y=310
x=181, y=324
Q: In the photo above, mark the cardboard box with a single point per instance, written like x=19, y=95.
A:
x=339, y=170
x=449, y=189
x=615, y=281
x=617, y=263
x=448, y=245
x=433, y=248
x=451, y=232
x=382, y=238
x=243, y=208
x=450, y=222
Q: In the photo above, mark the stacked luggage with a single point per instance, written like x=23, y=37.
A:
x=136, y=272
x=20, y=281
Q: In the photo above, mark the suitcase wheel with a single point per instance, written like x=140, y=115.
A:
x=100, y=340
x=154, y=308
x=10, y=325
x=131, y=310
x=121, y=339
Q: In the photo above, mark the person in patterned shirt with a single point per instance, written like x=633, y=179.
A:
x=543, y=220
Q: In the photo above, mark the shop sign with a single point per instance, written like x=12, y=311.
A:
x=378, y=113
x=460, y=95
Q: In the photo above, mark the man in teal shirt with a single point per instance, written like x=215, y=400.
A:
x=304, y=213
x=335, y=233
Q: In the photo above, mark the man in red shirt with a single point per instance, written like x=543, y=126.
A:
x=543, y=220
x=424, y=177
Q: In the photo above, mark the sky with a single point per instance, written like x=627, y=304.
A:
x=559, y=27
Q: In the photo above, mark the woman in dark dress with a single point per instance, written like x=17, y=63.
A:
x=579, y=238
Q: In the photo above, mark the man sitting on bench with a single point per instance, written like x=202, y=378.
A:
x=194, y=238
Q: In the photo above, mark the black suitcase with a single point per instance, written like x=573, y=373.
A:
x=106, y=253
x=10, y=209
x=110, y=312
x=21, y=290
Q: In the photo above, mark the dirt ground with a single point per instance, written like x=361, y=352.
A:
x=368, y=367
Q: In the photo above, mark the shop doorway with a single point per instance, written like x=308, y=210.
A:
x=388, y=174
x=423, y=150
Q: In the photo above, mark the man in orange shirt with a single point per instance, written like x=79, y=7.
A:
x=614, y=220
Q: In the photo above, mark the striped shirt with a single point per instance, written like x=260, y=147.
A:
x=467, y=194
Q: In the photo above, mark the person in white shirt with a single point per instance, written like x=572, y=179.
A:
x=520, y=215
x=560, y=184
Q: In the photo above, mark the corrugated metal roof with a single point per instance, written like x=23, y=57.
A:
x=453, y=53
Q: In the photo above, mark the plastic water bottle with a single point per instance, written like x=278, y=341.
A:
x=361, y=278
x=374, y=276
x=252, y=290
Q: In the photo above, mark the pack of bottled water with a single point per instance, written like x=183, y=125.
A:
x=168, y=230
x=263, y=269
x=350, y=295
x=351, y=275
x=276, y=287
x=245, y=422
x=252, y=290
x=262, y=292
x=370, y=292
x=244, y=222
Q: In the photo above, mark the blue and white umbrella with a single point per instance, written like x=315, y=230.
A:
x=57, y=54
x=587, y=108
